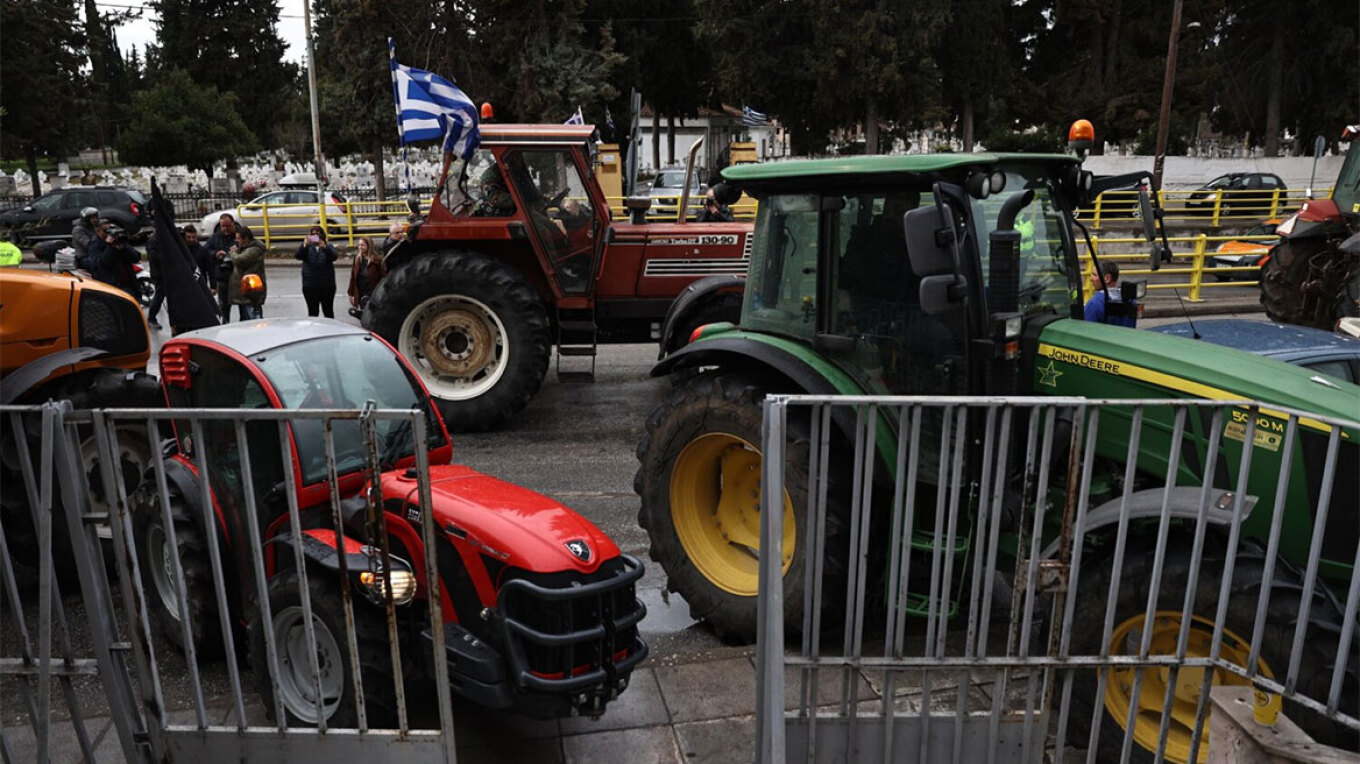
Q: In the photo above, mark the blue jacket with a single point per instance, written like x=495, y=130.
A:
x=318, y=265
x=113, y=265
x=1095, y=311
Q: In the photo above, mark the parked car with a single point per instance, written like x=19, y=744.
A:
x=1244, y=193
x=1243, y=253
x=1335, y=355
x=666, y=189
x=290, y=212
x=50, y=216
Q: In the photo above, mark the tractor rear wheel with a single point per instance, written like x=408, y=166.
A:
x=1298, y=283
x=154, y=557
x=473, y=329
x=1129, y=626
x=699, y=480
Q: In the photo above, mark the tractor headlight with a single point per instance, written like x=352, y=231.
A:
x=402, y=581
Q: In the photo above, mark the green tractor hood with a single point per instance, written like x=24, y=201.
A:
x=1083, y=358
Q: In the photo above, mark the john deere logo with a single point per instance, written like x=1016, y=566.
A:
x=579, y=548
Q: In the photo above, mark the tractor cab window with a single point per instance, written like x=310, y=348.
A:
x=220, y=382
x=781, y=285
x=1048, y=281
x=875, y=299
x=345, y=373
x=487, y=194
x=560, y=211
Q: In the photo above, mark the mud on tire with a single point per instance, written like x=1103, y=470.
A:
x=474, y=330
x=718, y=414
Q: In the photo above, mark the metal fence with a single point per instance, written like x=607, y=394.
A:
x=170, y=635
x=1026, y=579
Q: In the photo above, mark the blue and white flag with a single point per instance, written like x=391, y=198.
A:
x=430, y=107
x=752, y=118
x=576, y=119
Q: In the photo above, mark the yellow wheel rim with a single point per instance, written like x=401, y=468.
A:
x=715, y=507
x=1126, y=639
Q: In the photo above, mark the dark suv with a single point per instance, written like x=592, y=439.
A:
x=1245, y=193
x=51, y=215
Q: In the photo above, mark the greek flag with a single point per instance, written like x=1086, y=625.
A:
x=752, y=118
x=430, y=107
x=576, y=119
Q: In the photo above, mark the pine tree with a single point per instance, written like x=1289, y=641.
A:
x=41, y=80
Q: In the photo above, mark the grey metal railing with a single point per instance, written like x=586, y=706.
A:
x=156, y=713
x=1019, y=579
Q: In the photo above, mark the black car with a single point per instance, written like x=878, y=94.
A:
x=51, y=215
x=1244, y=193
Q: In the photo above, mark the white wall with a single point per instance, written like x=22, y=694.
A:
x=1193, y=172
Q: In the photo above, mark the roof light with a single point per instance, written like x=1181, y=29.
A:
x=1082, y=135
x=488, y=112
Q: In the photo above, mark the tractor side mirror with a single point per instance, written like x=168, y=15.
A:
x=942, y=292
x=1148, y=215
x=928, y=236
x=637, y=207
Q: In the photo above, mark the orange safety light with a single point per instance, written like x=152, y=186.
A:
x=251, y=283
x=488, y=113
x=1081, y=135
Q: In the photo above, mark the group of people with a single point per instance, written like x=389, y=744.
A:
x=232, y=255
x=103, y=249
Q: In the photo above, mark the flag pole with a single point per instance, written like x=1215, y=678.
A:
x=396, y=105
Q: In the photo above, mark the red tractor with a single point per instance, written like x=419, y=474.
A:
x=519, y=253
x=539, y=607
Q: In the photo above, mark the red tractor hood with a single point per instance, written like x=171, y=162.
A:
x=517, y=526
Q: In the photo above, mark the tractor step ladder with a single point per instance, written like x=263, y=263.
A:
x=577, y=335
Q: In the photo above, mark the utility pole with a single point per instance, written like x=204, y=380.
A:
x=1168, y=81
x=311, y=87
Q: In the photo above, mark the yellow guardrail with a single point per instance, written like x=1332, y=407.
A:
x=663, y=208
x=1194, y=273
x=347, y=222
x=1201, y=207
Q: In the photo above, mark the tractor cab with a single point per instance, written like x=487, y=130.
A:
x=528, y=182
x=290, y=364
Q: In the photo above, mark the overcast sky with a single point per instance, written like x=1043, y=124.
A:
x=142, y=32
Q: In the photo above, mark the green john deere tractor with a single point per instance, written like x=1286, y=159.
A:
x=949, y=274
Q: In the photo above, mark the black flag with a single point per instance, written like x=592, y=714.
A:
x=190, y=305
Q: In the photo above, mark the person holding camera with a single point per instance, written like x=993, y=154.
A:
x=714, y=212
x=318, y=273
x=110, y=258
x=221, y=241
x=247, y=286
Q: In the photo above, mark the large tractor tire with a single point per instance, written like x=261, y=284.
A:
x=100, y=388
x=1315, y=672
x=1301, y=283
x=154, y=558
x=699, y=480
x=474, y=330
x=296, y=683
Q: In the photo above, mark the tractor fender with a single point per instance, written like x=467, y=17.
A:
x=707, y=293
x=180, y=471
x=1183, y=503
x=27, y=377
x=736, y=353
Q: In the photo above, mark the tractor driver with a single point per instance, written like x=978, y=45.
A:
x=496, y=201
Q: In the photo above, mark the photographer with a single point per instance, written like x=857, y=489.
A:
x=318, y=273
x=714, y=212
x=110, y=258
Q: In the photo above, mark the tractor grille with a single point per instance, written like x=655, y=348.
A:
x=111, y=323
x=565, y=634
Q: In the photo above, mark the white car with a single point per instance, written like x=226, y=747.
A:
x=289, y=212
x=666, y=189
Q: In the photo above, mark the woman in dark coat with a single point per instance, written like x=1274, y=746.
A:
x=318, y=273
x=367, y=271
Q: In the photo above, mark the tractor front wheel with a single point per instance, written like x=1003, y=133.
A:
x=334, y=671
x=699, y=480
x=473, y=329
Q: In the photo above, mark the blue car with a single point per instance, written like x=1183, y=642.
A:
x=1324, y=352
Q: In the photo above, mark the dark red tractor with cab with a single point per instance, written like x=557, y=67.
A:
x=519, y=253
x=538, y=605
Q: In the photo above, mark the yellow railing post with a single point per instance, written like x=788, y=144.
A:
x=1274, y=204
x=264, y=219
x=1197, y=273
x=1218, y=207
x=349, y=222
x=1095, y=221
